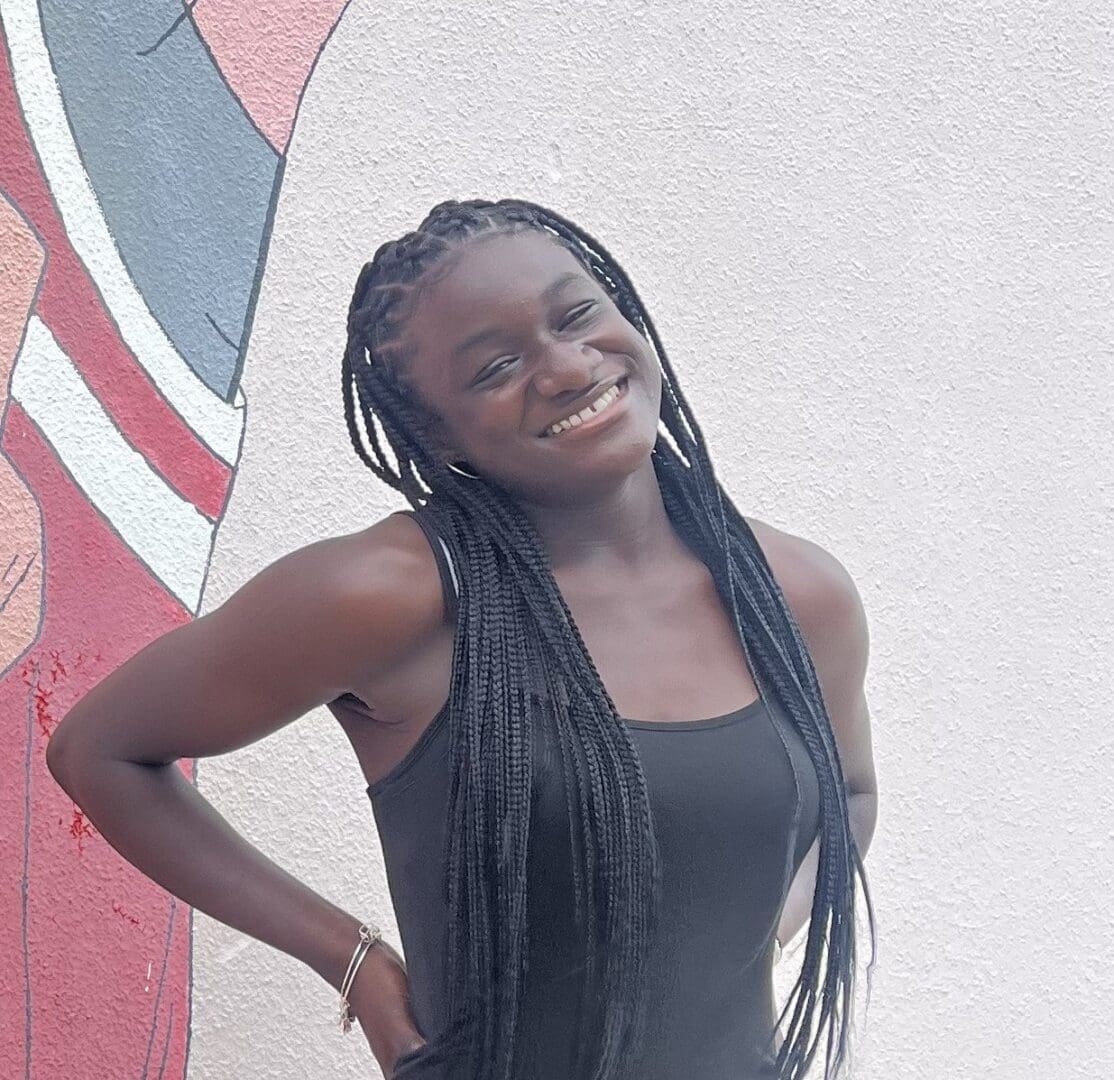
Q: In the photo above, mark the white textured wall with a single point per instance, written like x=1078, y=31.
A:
x=876, y=241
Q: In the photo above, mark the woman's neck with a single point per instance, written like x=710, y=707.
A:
x=626, y=528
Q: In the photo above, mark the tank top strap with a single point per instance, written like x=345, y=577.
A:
x=449, y=586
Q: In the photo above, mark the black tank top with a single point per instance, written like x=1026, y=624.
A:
x=735, y=802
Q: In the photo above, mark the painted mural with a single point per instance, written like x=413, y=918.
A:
x=142, y=148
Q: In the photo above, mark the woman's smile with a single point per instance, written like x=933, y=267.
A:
x=599, y=413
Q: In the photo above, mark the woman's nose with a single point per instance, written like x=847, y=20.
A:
x=566, y=366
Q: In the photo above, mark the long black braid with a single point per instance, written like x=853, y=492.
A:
x=517, y=647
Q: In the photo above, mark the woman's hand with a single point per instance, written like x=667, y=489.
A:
x=380, y=999
x=405, y=1058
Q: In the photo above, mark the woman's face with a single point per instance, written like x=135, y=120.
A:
x=516, y=336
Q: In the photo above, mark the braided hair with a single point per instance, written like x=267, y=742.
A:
x=517, y=649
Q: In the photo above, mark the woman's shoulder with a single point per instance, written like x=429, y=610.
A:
x=388, y=572
x=817, y=587
x=394, y=601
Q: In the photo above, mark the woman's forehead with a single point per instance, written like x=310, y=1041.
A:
x=489, y=281
x=493, y=268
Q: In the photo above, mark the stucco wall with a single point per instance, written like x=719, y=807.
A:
x=875, y=239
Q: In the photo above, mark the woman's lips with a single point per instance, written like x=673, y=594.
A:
x=604, y=417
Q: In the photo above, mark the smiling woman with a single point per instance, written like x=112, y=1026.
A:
x=613, y=731
x=609, y=902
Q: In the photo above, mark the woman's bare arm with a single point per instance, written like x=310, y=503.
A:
x=312, y=625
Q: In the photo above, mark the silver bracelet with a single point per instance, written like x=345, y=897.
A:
x=369, y=935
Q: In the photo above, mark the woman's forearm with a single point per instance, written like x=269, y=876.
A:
x=157, y=820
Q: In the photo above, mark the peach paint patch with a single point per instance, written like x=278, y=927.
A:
x=21, y=540
x=21, y=266
x=266, y=51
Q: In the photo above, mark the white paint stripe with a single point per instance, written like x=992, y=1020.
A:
x=216, y=422
x=172, y=537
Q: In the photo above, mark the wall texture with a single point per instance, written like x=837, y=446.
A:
x=876, y=241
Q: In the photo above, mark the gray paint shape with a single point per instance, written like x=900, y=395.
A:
x=183, y=177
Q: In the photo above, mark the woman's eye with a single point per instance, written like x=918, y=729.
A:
x=497, y=367
x=578, y=313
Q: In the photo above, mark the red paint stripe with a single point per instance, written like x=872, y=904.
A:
x=92, y=1008
x=72, y=307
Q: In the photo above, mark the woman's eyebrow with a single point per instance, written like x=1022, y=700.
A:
x=478, y=338
x=567, y=278
x=548, y=293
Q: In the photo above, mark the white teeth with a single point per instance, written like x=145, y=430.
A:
x=601, y=403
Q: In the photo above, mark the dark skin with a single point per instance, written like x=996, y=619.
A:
x=364, y=613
